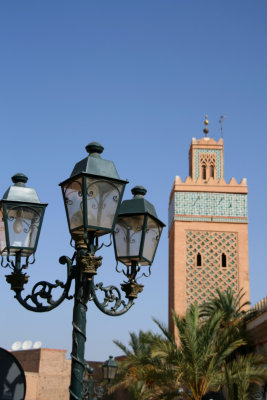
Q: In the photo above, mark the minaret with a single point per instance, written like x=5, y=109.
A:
x=208, y=229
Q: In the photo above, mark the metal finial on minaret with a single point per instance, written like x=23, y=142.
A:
x=206, y=122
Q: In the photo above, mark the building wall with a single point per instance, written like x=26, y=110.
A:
x=32, y=379
x=29, y=359
x=207, y=217
x=47, y=373
x=54, y=375
x=257, y=327
x=179, y=281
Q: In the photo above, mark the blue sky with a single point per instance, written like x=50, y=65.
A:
x=138, y=77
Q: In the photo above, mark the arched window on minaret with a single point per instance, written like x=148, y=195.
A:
x=224, y=260
x=204, y=171
x=212, y=171
x=199, y=260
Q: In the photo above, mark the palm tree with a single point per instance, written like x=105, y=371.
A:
x=202, y=351
x=146, y=376
x=230, y=306
x=241, y=373
x=133, y=372
x=233, y=313
x=207, y=356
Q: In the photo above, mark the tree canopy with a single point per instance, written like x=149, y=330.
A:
x=206, y=357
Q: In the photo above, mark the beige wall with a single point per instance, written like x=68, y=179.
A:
x=54, y=375
x=31, y=385
x=257, y=330
x=47, y=373
x=177, y=259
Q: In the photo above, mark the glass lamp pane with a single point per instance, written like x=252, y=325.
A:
x=127, y=236
x=74, y=204
x=2, y=233
x=152, y=236
x=23, y=226
x=112, y=372
x=102, y=202
x=109, y=369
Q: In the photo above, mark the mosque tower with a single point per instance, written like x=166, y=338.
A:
x=208, y=230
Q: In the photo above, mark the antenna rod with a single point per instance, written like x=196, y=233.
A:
x=221, y=123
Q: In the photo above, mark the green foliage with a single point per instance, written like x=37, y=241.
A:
x=240, y=373
x=205, y=357
x=201, y=352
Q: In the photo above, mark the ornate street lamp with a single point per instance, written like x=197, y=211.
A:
x=136, y=237
x=109, y=368
x=21, y=216
x=92, y=197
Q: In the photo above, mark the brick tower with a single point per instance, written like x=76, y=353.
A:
x=208, y=230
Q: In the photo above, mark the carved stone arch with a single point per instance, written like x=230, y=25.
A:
x=212, y=170
x=203, y=171
x=207, y=163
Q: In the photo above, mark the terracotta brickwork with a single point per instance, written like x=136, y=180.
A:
x=211, y=263
x=47, y=373
x=208, y=226
x=29, y=360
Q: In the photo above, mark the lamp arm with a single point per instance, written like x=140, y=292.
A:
x=42, y=290
x=111, y=295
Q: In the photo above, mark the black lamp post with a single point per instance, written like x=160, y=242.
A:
x=92, y=197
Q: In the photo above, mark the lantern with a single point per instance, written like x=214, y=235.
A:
x=92, y=194
x=21, y=217
x=137, y=231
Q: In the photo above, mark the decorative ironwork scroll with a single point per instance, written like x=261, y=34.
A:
x=112, y=304
x=41, y=291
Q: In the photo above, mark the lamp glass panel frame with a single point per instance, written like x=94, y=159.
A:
x=152, y=236
x=109, y=372
x=73, y=200
x=94, y=193
x=109, y=369
x=105, y=371
x=2, y=232
x=22, y=226
x=128, y=238
x=142, y=256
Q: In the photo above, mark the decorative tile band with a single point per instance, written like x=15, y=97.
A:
x=210, y=204
x=207, y=219
x=171, y=213
x=211, y=219
x=235, y=220
x=205, y=206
